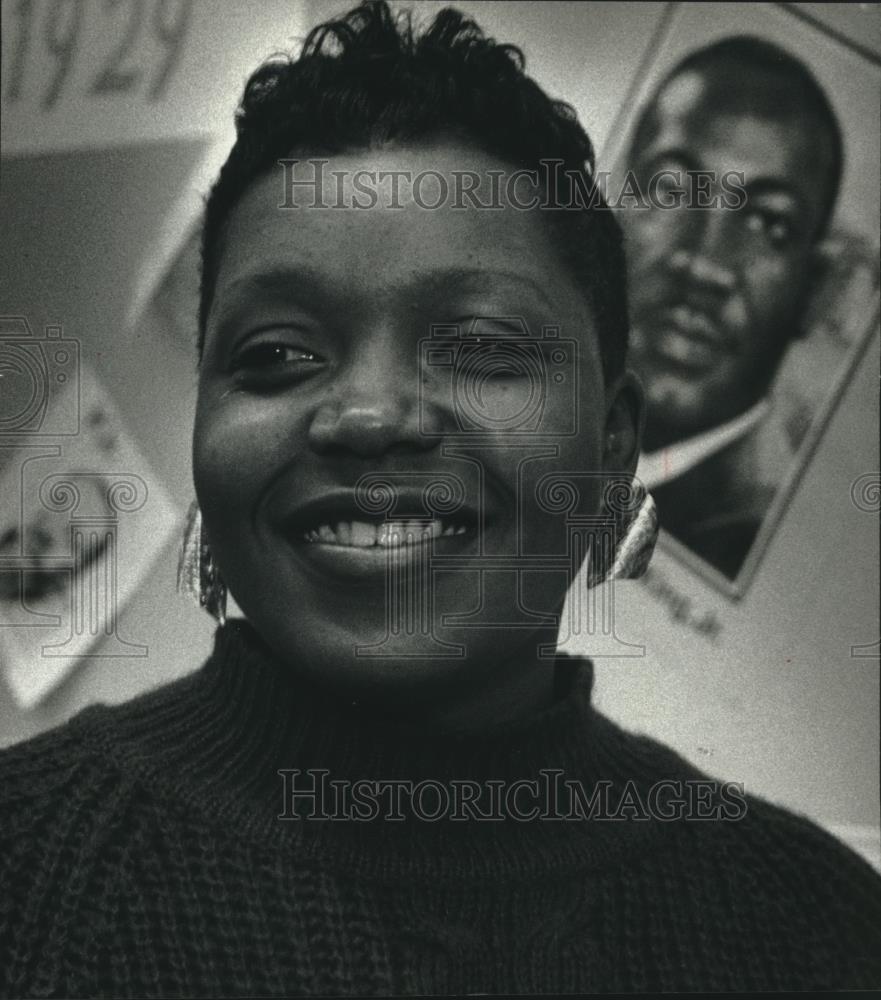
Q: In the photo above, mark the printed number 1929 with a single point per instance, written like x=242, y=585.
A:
x=61, y=32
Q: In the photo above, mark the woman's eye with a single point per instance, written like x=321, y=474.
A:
x=272, y=361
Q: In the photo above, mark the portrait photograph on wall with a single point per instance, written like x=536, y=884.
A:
x=744, y=169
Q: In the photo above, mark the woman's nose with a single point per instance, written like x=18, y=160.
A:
x=373, y=407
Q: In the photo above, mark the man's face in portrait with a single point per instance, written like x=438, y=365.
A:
x=717, y=293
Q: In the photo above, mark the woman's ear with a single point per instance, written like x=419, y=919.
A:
x=625, y=420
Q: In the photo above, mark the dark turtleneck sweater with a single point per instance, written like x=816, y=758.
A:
x=142, y=854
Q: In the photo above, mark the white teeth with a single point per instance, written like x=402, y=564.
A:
x=363, y=534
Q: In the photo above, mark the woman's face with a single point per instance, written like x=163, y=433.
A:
x=341, y=343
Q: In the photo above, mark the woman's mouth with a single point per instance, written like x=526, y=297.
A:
x=330, y=534
x=384, y=535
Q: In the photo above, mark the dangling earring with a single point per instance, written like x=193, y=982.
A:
x=197, y=573
x=634, y=551
x=635, y=517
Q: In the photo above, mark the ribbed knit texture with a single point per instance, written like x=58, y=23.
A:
x=142, y=854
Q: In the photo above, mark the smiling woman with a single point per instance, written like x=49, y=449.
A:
x=414, y=426
x=314, y=372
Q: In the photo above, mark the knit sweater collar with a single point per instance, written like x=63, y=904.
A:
x=233, y=740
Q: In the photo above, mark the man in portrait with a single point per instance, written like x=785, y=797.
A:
x=719, y=285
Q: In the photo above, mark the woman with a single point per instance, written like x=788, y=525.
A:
x=414, y=420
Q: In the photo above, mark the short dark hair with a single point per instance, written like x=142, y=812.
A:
x=796, y=90
x=368, y=78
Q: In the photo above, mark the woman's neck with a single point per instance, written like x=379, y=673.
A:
x=468, y=694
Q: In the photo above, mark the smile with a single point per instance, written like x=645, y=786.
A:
x=384, y=535
x=330, y=534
